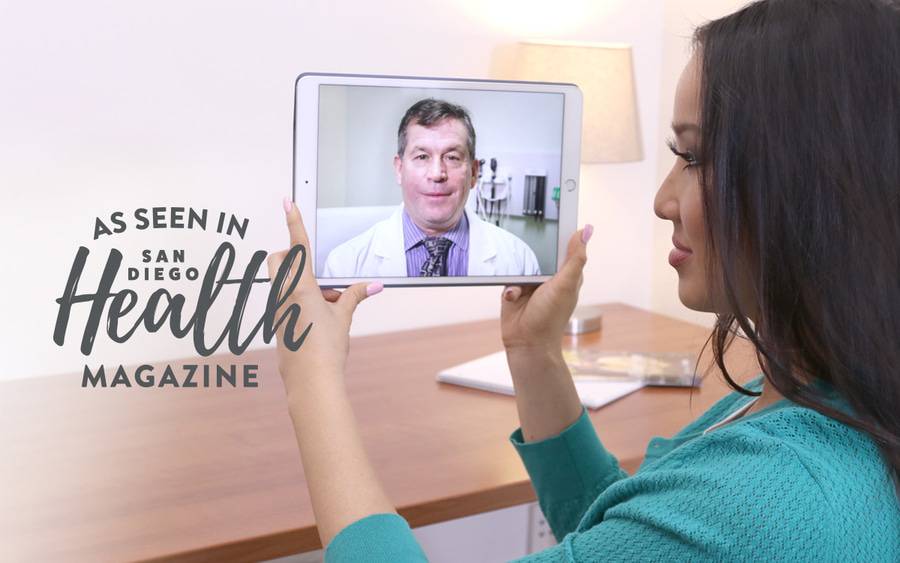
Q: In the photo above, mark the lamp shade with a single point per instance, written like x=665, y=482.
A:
x=603, y=72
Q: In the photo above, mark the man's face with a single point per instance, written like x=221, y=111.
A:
x=436, y=173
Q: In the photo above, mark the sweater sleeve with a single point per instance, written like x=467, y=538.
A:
x=376, y=538
x=723, y=498
x=568, y=471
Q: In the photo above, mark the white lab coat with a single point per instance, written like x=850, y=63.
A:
x=379, y=252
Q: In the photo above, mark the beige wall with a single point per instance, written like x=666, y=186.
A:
x=113, y=106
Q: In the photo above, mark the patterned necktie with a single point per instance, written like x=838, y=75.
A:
x=436, y=264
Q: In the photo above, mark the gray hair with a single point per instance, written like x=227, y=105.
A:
x=430, y=111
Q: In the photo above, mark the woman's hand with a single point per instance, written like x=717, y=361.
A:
x=324, y=352
x=532, y=321
x=533, y=318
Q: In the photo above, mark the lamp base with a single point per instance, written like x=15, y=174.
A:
x=585, y=319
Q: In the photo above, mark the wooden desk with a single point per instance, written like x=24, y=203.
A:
x=215, y=474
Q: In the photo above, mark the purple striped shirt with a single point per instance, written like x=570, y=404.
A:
x=416, y=254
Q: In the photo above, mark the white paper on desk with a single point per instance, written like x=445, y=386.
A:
x=491, y=373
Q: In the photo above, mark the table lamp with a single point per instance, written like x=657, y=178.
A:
x=610, y=127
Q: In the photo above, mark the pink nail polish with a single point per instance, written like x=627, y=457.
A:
x=586, y=233
x=288, y=204
x=374, y=288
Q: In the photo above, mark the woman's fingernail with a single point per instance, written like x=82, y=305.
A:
x=508, y=294
x=288, y=204
x=586, y=233
x=374, y=288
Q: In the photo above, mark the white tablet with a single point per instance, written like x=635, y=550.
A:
x=436, y=181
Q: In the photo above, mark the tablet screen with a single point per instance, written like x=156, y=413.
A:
x=415, y=182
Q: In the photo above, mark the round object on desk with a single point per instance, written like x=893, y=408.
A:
x=585, y=319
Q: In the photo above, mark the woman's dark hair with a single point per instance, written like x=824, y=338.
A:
x=800, y=147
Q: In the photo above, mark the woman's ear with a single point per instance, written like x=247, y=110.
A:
x=398, y=168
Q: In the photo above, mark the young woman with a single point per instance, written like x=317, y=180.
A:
x=785, y=205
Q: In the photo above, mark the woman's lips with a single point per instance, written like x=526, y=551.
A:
x=679, y=254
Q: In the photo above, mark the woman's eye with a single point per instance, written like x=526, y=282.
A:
x=687, y=156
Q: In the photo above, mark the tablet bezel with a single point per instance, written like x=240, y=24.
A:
x=305, y=163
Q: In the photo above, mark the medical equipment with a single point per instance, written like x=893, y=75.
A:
x=493, y=195
x=535, y=194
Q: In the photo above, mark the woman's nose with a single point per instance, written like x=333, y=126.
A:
x=665, y=204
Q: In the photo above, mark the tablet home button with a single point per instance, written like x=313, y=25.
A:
x=570, y=185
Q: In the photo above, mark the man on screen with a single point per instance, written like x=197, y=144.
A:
x=431, y=234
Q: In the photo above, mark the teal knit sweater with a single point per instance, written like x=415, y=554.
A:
x=782, y=484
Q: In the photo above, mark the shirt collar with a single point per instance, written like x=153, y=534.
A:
x=413, y=235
